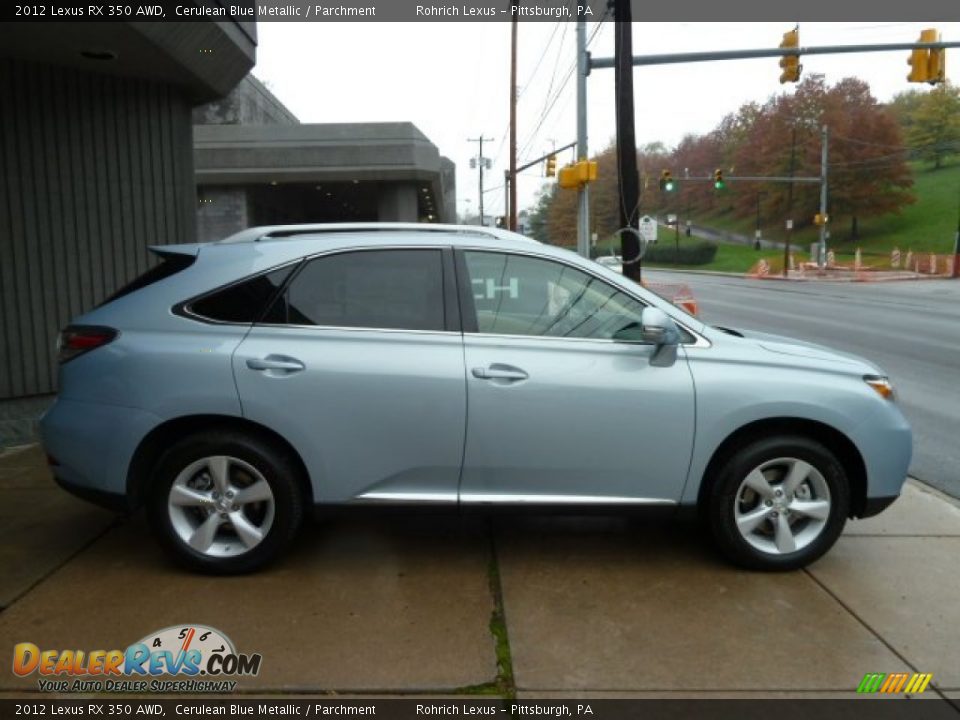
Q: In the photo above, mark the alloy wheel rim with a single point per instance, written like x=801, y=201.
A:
x=221, y=506
x=782, y=506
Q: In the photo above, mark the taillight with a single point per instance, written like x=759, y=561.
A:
x=78, y=339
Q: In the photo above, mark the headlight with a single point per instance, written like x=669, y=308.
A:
x=882, y=385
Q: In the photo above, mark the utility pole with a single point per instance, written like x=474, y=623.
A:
x=511, y=210
x=507, y=204
x=822, y=251
x=480, y=162
x=628, y=178
x=583, y=194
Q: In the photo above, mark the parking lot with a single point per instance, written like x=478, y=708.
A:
x=426, y=604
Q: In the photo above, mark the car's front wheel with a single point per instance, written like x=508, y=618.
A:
x=225, y=502
x=778, y=503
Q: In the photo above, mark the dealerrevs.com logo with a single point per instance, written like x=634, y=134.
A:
x=202, y=659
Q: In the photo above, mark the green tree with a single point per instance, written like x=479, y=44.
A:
x=934, y=125
x=537, y=219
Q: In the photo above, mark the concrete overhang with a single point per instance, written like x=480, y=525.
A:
x=335, y=152
x=207, y=59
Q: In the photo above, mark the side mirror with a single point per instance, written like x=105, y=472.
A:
x=658, y=328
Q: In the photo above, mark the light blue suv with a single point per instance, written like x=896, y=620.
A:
x=239, y=382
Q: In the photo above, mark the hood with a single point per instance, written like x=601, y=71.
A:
x=783, y=345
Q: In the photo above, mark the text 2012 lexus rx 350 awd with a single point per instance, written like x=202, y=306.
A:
x=239, y=382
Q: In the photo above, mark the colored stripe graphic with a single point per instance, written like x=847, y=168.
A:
x=870, y=683
x=894, y=683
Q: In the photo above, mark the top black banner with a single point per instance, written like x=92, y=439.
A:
x=471, y=11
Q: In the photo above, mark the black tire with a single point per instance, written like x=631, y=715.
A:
x=274, y=465
x=721, y=503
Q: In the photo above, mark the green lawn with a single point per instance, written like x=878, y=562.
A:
x=929, y=225
x=729, y=258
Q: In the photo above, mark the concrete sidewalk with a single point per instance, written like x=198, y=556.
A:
x=416, y=604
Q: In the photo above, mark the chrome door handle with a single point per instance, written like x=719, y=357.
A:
x=499, y=372
x=275, y=362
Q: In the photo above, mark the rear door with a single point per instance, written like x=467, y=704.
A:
x=359, y=364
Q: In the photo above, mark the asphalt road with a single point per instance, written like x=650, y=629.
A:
x=910, y=329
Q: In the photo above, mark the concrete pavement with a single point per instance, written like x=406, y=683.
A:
x=592, y=606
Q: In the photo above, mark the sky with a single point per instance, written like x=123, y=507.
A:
x=451, y=80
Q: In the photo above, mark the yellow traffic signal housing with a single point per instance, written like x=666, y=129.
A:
x=820, y=219
x=936, y=61
x=926, y=65
x=919, y=62
x=790, y=63
x=568, y=177
x=587, y=171
x=718, y=182
x=666, y=181
x=572, y=177
x=551, y=166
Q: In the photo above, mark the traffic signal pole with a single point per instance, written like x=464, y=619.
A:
x=583, y=193
x=674, y=58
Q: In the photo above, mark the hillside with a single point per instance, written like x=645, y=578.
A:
x=929, y=225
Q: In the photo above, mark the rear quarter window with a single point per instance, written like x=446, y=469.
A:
x=241, y=302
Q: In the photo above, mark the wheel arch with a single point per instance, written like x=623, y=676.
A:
x=834, y=440
x=153, y=444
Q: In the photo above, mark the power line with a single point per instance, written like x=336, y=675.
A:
x=550, y=103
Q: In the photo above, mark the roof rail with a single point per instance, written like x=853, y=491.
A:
x=281, y=232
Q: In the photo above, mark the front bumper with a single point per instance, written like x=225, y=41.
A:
x=885, y=442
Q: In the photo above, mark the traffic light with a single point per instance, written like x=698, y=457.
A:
x=574, y=176
x=819, y=219
x=919, y=60
x=927, y=65
x=936, y=64
x=790, y=63
x=666, y=181
x=551, y=165
x=718, y=182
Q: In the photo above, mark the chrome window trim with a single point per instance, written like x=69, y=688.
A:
x=339, y=328
x=699, y=340
x=183, y=309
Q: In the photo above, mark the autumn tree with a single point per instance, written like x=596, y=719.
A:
x=868, y=171
x=933, y=129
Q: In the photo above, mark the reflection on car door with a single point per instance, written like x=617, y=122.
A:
x=563, y=403
x=359, y=363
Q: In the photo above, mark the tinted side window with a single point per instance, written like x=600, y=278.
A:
x=243, y=302
x=518, y=295
x=389, y=289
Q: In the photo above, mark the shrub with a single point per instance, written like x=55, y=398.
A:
x=699, y=253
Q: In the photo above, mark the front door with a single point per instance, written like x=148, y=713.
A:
x=564, y=405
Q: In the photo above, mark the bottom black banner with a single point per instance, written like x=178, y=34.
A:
x=930, y=708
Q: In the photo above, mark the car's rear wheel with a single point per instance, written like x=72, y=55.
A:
x=225, y=502
x=778, y=503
